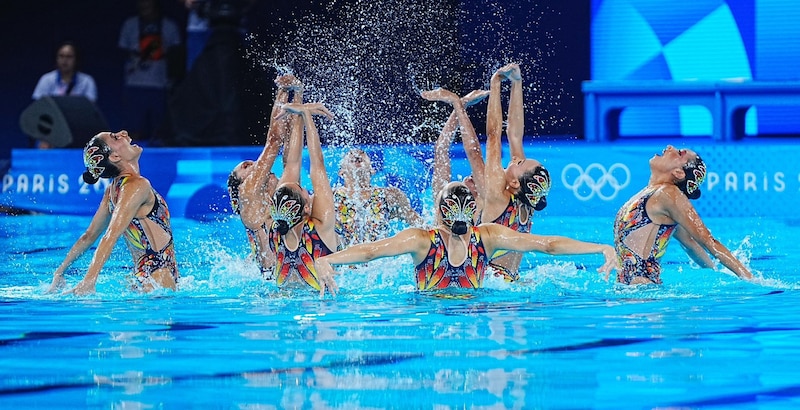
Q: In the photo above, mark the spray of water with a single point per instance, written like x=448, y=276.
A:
x=368, y=61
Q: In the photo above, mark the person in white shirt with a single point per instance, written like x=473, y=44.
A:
x=147, y=39
x=66, y=79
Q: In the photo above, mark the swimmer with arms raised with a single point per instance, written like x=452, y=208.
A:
x=252, y=183
x=364, y=211
x=303, y=229
x=506, y=196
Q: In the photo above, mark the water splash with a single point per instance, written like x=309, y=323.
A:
x=368, y=61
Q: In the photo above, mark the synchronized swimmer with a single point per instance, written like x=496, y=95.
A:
x=482, y=226
x=130, y=207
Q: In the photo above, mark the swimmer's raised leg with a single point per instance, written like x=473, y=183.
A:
x=515, y=128
x=289, y=87
x=472, y=147
x=442, y=169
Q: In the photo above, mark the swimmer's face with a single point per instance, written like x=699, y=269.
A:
x=672, y=158
x=121, y=144
x=456, y=206
x=356, y=164
x=519, y=166
x=244, y=169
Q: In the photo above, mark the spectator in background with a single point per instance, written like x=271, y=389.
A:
x=220, y=101
x=147, y=38
x=66, y=79
x=197, y=30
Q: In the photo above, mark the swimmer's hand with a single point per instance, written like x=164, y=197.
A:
x=325, y=274
x=58, y=283
x=83, y=288
x=611, y=261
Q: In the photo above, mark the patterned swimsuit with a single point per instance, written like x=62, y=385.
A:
x=147, y=259
x=361, y=221
x=436, y=272
x=510, y=218
x=633, y=216
x=299, y=262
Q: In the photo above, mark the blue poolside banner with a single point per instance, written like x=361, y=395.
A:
x=192, y=180
x=744, y=179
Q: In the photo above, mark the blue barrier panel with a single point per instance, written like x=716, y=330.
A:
x=744, y=179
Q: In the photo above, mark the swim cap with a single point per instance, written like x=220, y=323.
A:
x=457, y=207
x=534, y=187
x=695, y=175
x=95, y=158
x=233, y=191
x=286, y=209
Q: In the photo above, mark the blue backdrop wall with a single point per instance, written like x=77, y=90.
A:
x=702, y=40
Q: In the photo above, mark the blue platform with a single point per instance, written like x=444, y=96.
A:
x=726, y=101
x=745, y=178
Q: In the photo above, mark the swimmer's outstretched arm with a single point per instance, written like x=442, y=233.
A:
x=470, y=142
x=286, y=124
x=322, y=208
x=132, y=195
x=498, y=237
x=414, y=241
x=692, y=248
x=253, y=214
x=680, y=209
x=98, y=224
x=278, y=128
x=442, y=169
x=293, y=150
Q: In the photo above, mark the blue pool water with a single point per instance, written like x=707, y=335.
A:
x=564, y=339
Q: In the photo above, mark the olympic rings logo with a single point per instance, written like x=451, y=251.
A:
x=594, y=180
